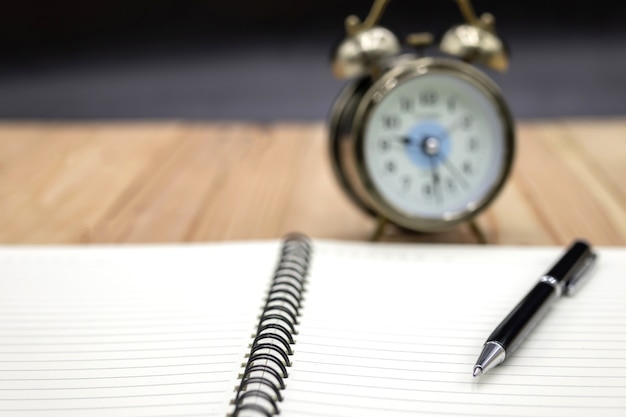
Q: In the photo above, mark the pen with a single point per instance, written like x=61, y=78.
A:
x=565, y=277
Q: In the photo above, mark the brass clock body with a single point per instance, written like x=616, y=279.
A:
x=426, y=144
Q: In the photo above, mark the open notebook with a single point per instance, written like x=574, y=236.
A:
x=383, y=330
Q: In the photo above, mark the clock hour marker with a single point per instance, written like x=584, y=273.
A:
x=391, y=122
x=468, y=168
x=450, y=185
x=467, y=122
x=406, y=104
x=384, y=144
x=406, y=182
x=451, y=103
x=472, y=144
x=428, y=98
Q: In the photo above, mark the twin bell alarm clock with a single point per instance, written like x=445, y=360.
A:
x=419, y=141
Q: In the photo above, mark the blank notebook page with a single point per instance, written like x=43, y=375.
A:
x=395, y=331
x=133, y=332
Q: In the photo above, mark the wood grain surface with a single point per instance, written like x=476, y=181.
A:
x=148, y=182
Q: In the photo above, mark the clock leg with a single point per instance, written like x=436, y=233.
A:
x=381, y=223
x=477, y=232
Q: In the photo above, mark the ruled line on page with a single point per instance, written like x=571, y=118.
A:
x=420, y=331
x=122, y=359
x=438, y=391
x=115, y=377
x=117, y=350
x=378, y=377
x=114, y=368
x=110, y=387
x=450, y=362
x=358, y=408
x=164, y=327
x=123, y=407
x=467, y=363
x=462, y=403
x=125, y=342
x=109, y=397
x=521, y=349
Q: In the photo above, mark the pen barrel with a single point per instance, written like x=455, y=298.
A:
x=524, y=317
x=577, y=255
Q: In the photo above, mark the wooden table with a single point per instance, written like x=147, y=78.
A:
x=178, y=182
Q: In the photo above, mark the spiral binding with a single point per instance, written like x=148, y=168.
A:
x=263, y=377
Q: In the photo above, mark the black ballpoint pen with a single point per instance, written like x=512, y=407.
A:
x=565, y=277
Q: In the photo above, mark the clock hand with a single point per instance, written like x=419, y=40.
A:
x=402, y=140
x=436, y=179
x=458, y=177
x=410, y=142
x=406, y=140
x=456, y=124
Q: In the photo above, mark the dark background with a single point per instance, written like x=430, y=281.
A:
x=269, y=60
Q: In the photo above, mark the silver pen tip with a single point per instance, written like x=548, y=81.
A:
x=478, y=371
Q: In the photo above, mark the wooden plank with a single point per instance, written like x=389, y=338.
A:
x=568, y=199
x=28, y=210
x=70, y=177
x=168, y=197
x=512, y=220
x=174, y=182
x=603, y=147
x=317, y=205
x=251, y=198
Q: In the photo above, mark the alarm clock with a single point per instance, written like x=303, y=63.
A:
x=423, y=142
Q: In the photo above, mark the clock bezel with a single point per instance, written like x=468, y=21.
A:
x=340, y=126
x=355, y=170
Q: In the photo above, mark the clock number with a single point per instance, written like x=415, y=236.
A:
x=472, y=144
x=450, y=185
x=384, y=145
x=467, y=122
x=467, y=168
x=390, y=167
x=406, y=182
x=452, y=104
x=428, y=98
x=406, y=104
x=427, y=190
x=391, y=122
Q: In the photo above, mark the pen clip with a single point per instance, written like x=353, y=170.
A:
x=580, y=275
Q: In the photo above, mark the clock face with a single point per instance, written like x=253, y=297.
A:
x=434, y=146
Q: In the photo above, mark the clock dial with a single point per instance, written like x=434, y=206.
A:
x=434, y=146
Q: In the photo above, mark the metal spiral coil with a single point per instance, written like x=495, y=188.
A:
x=262, y=380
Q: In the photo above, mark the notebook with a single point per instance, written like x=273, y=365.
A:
x=300, y=328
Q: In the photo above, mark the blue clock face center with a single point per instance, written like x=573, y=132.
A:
x=427, y=144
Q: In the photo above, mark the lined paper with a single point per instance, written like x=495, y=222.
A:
x=134, y=332
x=395, y=331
